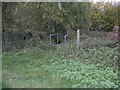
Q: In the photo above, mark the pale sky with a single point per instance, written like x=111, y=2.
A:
x=105, y=0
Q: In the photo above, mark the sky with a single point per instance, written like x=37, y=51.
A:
x=105, y=0
x=60, y=0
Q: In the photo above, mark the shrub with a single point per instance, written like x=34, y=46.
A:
x=101, y=55
x=85, y=68
x=81, y=75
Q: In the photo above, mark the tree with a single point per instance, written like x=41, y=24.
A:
x=104, y=16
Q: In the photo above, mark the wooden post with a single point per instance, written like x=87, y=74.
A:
x=78, y=38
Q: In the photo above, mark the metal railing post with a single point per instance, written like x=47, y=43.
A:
x=57, y=38
x=65, y=38
x=50, y=38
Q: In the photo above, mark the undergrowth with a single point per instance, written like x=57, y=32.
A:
x=62, y=66
x=85, y=68
x=81, y=75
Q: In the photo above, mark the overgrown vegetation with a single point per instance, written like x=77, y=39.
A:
x=23, y=22
x=61, y=67
x=30, y=62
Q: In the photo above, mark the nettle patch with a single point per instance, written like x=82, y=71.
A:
x=103, y=55
x=83, y=75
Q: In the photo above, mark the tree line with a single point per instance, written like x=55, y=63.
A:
x=45, y=16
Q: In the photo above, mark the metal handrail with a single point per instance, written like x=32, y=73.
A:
x=65, y=36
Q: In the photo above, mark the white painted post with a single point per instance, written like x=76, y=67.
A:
x=59, y=5
x=78, y=38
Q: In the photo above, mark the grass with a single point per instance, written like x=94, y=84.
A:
x=23, y=69
x=51, y=68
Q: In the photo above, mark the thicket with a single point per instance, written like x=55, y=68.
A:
x=41, y=19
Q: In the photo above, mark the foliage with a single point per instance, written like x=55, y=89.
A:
x=98, y=55
x=104, y=16
x=93, y=65
x=48, y=14
x=50, y=67
x=45, y=16
x=81, y=75
x=85, y=75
